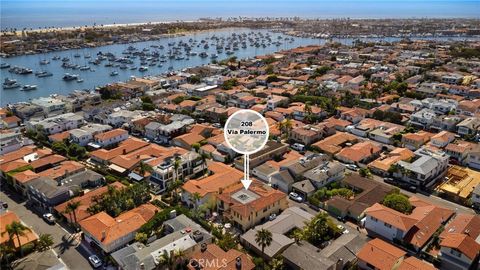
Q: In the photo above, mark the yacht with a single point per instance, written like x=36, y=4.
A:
x=28, y=87
x=4, y=65
x=56, y=57
x=114, y=73
x=79, y=80
x=10, y=84
x=69, y=77
x=42, y=74
x=143, y=68
x=44, y=62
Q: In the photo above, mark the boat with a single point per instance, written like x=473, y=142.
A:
x=214, y=56
x=70, y=77
x=4, y=65
x=84, y=67
x=44, y=62
x=114, y=73
x=42, y=74
x=203, y=54
x=76, y=55
x=143, y=68
x=10, y=84
x=133, y=67
x=56, y=57
x=79, y=80
x=65, y=59
x=28, y=87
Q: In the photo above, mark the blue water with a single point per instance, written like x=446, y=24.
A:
x=60, y=13
x=101, y=76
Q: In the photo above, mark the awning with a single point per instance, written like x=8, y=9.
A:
x=135, y=176
x=117, y=168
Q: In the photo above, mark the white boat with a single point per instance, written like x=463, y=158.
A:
x=42, y=74
x=10, y=84
x=79, y=80
x=114, y=73
x=143, y=68
x=28, y=87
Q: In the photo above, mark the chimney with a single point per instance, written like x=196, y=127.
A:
x=124, y=151
x=238, y=263
x=203, y=247
x=142, y=266
x=339, y=265
x=104, y=235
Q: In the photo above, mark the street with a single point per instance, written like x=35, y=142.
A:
x=65, y=244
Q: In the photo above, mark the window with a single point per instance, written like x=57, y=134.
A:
x=456, y=253
x=387, y=225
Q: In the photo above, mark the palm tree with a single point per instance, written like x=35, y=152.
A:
x=176, y=165
x=45, y=241
x=204, y=157
x=298, y=236
x=5, y=252
x=288, y=125
x=196, y=199
x=263, y=238
x=16, y=229
x=71, y=208
x=144, y=168
x=170, y=260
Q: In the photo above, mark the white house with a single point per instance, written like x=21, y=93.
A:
x=111, y=137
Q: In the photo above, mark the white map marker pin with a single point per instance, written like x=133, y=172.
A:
x=246, y=132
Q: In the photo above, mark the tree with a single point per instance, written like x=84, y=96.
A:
x=263, y=238
x=227, y=242
x=141, y=237
x=196, y=146
x=365, y=172
x=171, y=260
x=16, y=229
x=144, y=168
x=45, y=241
x=276, y=264
x=398, y=201
x=72, y=208
x=320, y=229
x=196, y=199
x=204, y=156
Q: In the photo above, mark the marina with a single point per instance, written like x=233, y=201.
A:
x=66, y=71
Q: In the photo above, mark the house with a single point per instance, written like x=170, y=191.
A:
x=415, y=228
x=290, y=219
x=473, y=159
x=469, y=126
x=164, y=132
x=382, y=165
x=333, y=144
x=459, y=150
x=269, y=151
x=209, y=256
x=442, y=139
x=6, y=218
x=163, y=165
x=306, y=134
x=109, y=138
x=445, y=122
x=362, y=152
x=275, y=101
x=50, y=105
x=85, y=201
x=84, y=135
x=476, y=197
x=103, y=156
x=181, y=233
x=39, y=260
x=56, y=124
x=325, y=173
x=222, y=177
x=11, y=141
x=353, y=115
x=380, y=255
x=414, y=141
x=341, y=253
x=368, y=192
x=45, y=193
x=459, y=242
x=118, y=118
x=424, y=169
x=109, y=233
x=423, y=118
x=247, y=208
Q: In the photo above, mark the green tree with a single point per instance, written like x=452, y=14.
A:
x=276, y=264
x=45, y=241
x=72, y=208
x=263, y=238
x=320, y=229
x=196, y=146
x=16, y=229
x=227, y=242
x=141, y=237
x=365, y=172
x=144, y=168
x=398, y=201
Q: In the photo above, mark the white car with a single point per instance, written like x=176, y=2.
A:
x=294, y=196
x=95, y=261
x=49, y=218
x=351, y=167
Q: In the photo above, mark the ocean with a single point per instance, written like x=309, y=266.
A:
x=64, y=13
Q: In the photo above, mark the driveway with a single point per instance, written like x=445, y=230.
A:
x=65, y=244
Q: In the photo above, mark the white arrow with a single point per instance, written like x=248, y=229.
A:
x=246, y=164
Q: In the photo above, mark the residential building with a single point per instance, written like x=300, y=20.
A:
x=424, y=169
x=111, y=234
x=275, y=101
x=290, y=219
x=442, y=139
x=415, y=228
x=473, y=159
x=423, y=118
x=6, y=218
x=40, y=260
x=335, y=143
x=380, y=255
x=56, y=124
x=269, y=151
x=213, y=257
x=51, y=106
x=85, y=134
x=181, y=233
x=306, y=134
x=362, y=152
x=246, y=208
x=109, y=138
x=383, y=164
x=459, y=184
x=45, y=193
x=469, y=126
x=414, y=141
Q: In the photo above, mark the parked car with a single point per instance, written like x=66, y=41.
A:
x=272, y=217
x=95, y=261
x=352, y=167
x=298, y=146
x=294, y=196
x=49, y=218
